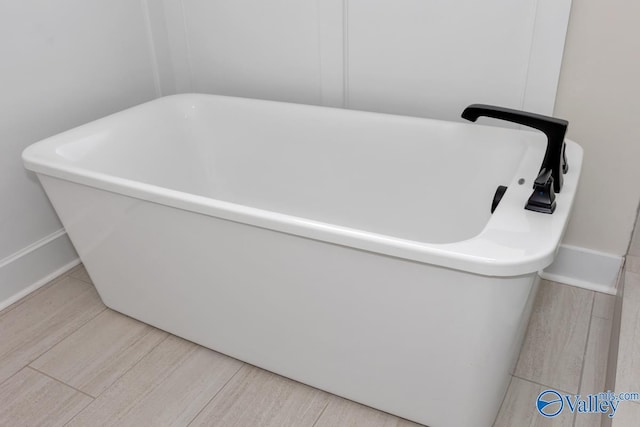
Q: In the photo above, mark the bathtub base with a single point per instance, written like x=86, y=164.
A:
x=425, y=343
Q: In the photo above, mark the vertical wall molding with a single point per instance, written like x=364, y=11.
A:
x=153, y=42
x=533, y=25
x=551, y=23
x=170, y=27
x=345, y=50
x=187, y=50
x=331, y=52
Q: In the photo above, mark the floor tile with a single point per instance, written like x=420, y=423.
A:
x=80, y=273
x=628, y=369
x=342, y=412
x=595, y=361
x=255, y=397
x=43, y=320
x=589, y=420
x=96, y=355
x=603, y=305
x=169, y=386
x=143, y=376
x=627, y=415
x=553, y=350
x=30, y=398
x=519, y=408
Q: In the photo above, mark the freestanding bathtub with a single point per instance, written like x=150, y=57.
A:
x=351, y=251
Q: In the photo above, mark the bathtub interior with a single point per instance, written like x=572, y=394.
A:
x=424, y=180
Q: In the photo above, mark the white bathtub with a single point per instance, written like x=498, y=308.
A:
x=351, y=251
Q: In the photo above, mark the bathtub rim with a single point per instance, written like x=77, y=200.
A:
x=503, y=248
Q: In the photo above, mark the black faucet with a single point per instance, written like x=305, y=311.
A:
x=554, y=164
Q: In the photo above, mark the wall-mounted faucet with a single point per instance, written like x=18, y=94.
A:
x=554, y=164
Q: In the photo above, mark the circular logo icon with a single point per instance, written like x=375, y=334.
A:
x=549, y=403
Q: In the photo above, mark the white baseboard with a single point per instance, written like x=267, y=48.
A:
x=584, y=268
x=32, y=267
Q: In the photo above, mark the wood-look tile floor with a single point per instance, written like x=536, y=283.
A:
x=66, y=359
x=628, y=366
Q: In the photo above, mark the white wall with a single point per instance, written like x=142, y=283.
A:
x=599, y=94
x=62, y=64
x=258, y=49
x=432, y=59
x=403, y=56
x=244, y=48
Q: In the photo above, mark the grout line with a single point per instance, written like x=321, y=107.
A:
x=80, y=279
x=83, y=281
x=217, y=393
x=59, y=381
x=608, y=352
x=91, y=399
x=541, y=385
x=66, y=336
x=586, y=344
x=134, y=365
x=168, y=372
x=137, y=361
x=11, y=376
x=28, y=364
x=323, y=409
x=79, y=412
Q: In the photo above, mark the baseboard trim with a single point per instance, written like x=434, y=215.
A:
x=32, y=267
x=585, y=268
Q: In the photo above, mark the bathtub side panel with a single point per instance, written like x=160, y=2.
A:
x=425, y=343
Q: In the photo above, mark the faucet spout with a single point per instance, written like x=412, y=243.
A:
x=555, y=130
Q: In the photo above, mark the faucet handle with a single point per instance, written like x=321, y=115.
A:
x=543, y=198
x=543, y=178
